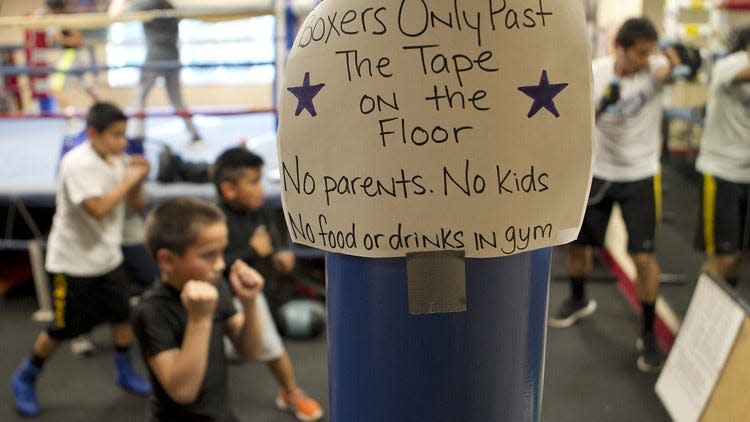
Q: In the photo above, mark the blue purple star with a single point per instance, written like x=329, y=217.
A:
x=305, y=95
x=543, y=95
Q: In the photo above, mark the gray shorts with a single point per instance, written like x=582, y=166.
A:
x=273, y=348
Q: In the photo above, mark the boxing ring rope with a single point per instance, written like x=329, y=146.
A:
x=214, y=112
x=101, y=20
x=164, y=65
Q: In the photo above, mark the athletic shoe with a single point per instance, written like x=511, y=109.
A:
x=571, y=311
x=304, y=408
x=127, y=378
x=650, y=357
x=24, y=389
x=82, y=346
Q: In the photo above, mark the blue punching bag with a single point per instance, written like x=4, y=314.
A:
x=436, y=165
x=484, y=364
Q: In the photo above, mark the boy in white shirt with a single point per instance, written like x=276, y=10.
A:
x=83, y=251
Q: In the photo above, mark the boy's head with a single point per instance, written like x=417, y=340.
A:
x=187, y=236
x=237, y=176
x=105, y=127
x=634, y=43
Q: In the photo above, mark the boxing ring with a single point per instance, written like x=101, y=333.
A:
x=31, y=143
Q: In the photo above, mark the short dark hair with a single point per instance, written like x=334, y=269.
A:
x=232, y=162
x=634, y=30
x=738, y=39
x=174, y=224
x=101, y=115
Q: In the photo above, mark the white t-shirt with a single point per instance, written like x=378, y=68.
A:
x=725, y=147
x=628, y=136
x=80, y=244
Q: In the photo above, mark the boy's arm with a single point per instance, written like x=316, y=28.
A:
x=181, y=371
x=663, y=70
x=99, y=206
x=135, y=197
x=244, y=327
x=246, y=254
x=284, y=261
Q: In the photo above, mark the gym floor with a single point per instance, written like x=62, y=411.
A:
x=590, y=369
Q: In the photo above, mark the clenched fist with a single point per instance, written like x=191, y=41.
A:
x=199, y=299
x=261, y=242
x=245, y=281
x=137, y=169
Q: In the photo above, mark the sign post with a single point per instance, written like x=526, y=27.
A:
x=437, y=152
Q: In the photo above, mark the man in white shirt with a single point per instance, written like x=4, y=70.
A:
x=724, y=161
x=626, y=172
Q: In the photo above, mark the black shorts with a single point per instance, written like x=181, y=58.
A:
x=81, y=303
x=640, y=203
x=722, y=219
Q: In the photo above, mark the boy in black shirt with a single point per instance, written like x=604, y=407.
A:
x=181, y=322
x=237, y=175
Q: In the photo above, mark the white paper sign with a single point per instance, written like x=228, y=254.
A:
x=413, y=126
x=701, y=349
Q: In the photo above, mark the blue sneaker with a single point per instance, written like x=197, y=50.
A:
x=127, y=378
x=24, y=389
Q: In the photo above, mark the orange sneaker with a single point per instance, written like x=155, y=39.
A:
x=303, y=407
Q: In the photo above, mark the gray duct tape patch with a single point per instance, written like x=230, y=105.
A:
x=437, y=282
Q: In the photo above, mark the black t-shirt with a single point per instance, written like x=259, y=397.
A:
x=242, y=225
x=159, y=322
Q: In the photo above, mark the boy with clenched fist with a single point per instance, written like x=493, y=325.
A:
x=180, y=323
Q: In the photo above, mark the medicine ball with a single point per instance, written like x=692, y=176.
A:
x=301, y=319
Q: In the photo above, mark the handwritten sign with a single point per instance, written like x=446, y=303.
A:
x=414, y=125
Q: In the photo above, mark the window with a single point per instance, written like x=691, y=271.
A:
x=233, y=44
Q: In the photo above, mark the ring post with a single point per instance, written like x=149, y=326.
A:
x=484, y=364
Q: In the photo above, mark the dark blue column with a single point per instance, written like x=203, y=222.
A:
x=483, y=365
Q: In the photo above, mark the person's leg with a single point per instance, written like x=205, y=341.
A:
x=174, y=91
x=82, y=346
x=726, y=266
x=25, y=376
x=282, y=370
x=290, y=397
x=69, y=321
x=722, y=219
x=83, y=80
x=115, y=307
x=647, y=286
x=640, y=203
x=59, y=80
x=145, y=83
x=579, y=259
x=578, y=264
